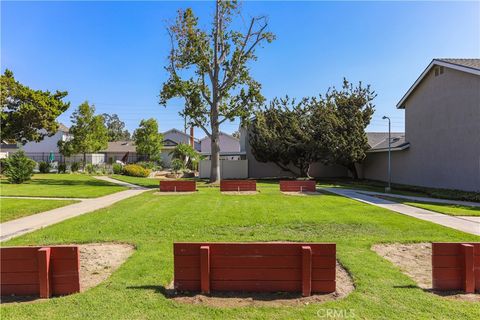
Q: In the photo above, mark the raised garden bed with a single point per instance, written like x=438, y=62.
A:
x=238, y=185
x=178, y=186
x=297, y=185
x=255, y=267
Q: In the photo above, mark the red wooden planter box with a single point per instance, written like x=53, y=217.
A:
x=456, y=266
x=255, y=267
x=238, y=185
x=43, y=271
x=178, y=186
x=297, y=185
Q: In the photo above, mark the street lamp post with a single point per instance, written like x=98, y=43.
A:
x=389, y=188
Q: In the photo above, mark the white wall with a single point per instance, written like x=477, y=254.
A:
x=229, y=169
x=48, y=144
x=227, y=144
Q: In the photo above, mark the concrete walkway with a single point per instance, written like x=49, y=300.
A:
x=15, y=228
x=459, y=223
x=120, y=183
x=422, y=199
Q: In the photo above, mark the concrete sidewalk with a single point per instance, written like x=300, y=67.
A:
x=459, y=223
x=421, y=199
x=14, y=228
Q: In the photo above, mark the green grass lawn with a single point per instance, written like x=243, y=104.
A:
x=60, y=185
x=11, y=209
x=152, y=223
x=406, y=190
x=450, y=209
x=144, y=182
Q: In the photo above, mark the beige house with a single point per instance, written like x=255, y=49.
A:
x=441, y=145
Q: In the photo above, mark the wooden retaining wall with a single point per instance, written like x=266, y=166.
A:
x=255, y=267
x=178, y=186
x=238, y=185
x=297, y=185
x=456, y=266
x=42, y=271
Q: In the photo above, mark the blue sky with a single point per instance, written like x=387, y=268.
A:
x=113, y=53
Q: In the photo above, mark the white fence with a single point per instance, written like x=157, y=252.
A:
x=229, y=169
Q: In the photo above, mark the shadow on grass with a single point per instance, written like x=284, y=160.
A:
x=171, y=293
x=446, y=293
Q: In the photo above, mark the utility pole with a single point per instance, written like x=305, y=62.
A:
x=389, y=188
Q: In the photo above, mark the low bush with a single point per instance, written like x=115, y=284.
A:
x=117, y=168
x=19, y=168
x=89, y=168
x=62, y=168
x=74, y=166
x=135, y=170
x=2, y=164
x=44, y=167
x=152, y=165
x=177, y=165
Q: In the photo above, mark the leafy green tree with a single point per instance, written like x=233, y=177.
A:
x=351, y=109
x=19, y=168
x=27, y=114
x=89, y=134
x=116, y=128
x=210, y=70
x=148, y=141
x=329, y=129
x=187, y=154
x=280, y=134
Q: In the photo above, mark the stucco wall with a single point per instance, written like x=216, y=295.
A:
x=48, y=144
x=229, y=169
x=227, y=144
x=442, y=124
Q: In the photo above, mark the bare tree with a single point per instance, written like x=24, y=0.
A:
x=209, y=70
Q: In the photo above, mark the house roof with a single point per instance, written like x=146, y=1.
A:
x=120, y=146
x=8, y=146
x=63, y=128
x=174, y=130
x=378, y=141
x=465, y=65
x=221, y=133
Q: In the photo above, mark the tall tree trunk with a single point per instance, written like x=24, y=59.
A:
x=215, y=138
x=215, y=157
x=353, y=169
x=84, y=160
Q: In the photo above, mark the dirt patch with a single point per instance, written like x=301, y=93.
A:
x=179, y=193
x=415, y=260
x=236, y=299
x=240, y=193
x=302, y=194
x=97, y=262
